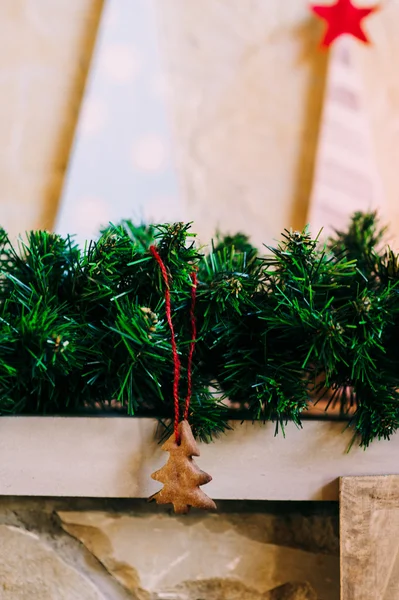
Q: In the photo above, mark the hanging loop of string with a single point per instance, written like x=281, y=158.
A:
x=193, y=323
x=176, y=359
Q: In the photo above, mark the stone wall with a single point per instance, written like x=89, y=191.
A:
x=115, y=550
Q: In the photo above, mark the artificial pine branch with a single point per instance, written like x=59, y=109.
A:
x=80, y=328
x=361, y=242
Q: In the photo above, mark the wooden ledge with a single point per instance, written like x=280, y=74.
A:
x=113, y=457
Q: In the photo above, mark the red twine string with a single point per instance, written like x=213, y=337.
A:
x=192, y=344
x=176, y=359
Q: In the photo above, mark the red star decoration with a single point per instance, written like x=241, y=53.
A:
x=343, y=18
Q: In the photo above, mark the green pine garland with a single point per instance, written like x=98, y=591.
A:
x=80, y=328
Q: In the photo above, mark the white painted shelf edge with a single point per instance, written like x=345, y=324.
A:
x=113, y=457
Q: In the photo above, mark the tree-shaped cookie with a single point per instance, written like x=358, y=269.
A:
x=181, y=476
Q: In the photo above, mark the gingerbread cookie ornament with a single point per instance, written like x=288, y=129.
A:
x=181, y=477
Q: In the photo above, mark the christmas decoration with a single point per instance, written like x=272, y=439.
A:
x=342, y=18
x=181, y=476
x=83, y=328
x=346, y=178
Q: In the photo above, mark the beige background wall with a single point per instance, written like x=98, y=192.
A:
x=45, y=46
x=246, y=92
x=248, y=86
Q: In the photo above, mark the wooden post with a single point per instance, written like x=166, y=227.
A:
x=369, y=523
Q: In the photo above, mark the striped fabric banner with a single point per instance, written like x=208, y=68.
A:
x=346, y=177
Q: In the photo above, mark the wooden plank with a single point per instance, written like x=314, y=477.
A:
x=115, y=456
x=369, y=523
